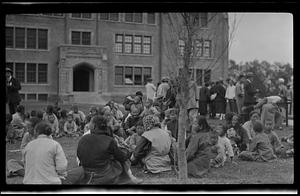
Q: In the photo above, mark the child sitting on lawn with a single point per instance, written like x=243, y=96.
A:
x=70, y=127
x=277, y=147
x=61, y=122
x=225, y=149
x=134, y=139
x=260, y=148
x=150, y=109
x=52, y=120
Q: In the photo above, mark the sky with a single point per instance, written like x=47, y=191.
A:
x=261, y=36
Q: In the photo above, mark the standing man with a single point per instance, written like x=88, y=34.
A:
x=204, y=96
x=239, y=93
x=12, y=91
x=250, y=92
x=163, y=88
x=150, y=89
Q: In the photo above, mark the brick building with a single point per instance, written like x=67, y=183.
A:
x=92, y=57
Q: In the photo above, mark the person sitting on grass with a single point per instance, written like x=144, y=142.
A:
x=289, y=140
x=150, y=109
x=200, y=151
x=238, y=135
x=130, y=122
x=171, y=122
x=33, y=114
x=277, y=147
x=16, y=167
x=154, y=147
x=248, y=126
x=18, y=122
x=70, y=127
x=53, y=122
x=225, y=149
x=78, y=116
x=44, y=158
x=40, y=115
x=260, y=148
x=113, y=123
x=61, y=122
x=134, y=139
x=228, y=119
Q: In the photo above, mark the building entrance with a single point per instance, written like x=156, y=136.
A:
x=83, y=78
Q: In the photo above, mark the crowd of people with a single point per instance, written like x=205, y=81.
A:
x=145, y=133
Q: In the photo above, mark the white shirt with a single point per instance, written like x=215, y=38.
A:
x=230, y=92
x=162, y=89
x=225, y=147
x=150, y=90
x=273, y=99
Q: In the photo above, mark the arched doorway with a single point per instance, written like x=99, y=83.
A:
x=83, y=78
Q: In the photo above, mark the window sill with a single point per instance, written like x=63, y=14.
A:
x=29, y=50
x=34, y=84
x=133, y=54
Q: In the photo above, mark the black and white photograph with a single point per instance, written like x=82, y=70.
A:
x=149, y=98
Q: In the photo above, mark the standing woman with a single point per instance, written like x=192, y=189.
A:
x=12, y=91
x=230, y=96
x=220, y=100
x=204, y=96
x=239, y=94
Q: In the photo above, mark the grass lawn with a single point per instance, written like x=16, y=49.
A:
x=281, y=171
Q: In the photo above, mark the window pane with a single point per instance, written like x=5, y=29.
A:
x=31, y=72
x=207, y=49
x=147, y=49
x=76, y=15
x=31, y=38
x=129, y=17
x=138, y=17
x=42, y=97
x=20, y=38
x=20, y=72
x=128, y=44
x=128, y=38
x=118, y=48
x=75, y=37
x=147, y=73
x=119, y=38
x=151, y=18
x=204, y=19
x=42, y=73
x=147, y=40
x=138, y=76
x=104, y=16
x=31, y=96
x=207, y=74
x=114, y=16
x=86, y=38
x=128, y=75
x=42, y=39
x=199, y=77
x=138, y=44
x=199, y=46
x=118, y=75
x=86, y=15
x=9, y=37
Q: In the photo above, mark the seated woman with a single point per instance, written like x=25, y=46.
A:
x=102, y=160
x=16, y=167
x=154, y=148
x=78, y=116
x=134, y=139
x=238, y=135
x=260, y=148
x=248, y=126
x=18, y=122
x=199, y=152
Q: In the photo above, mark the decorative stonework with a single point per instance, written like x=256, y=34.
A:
x=69, y=51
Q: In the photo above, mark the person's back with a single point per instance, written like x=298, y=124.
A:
x=263, y=147
x=150, y=90
x=42, y=162
x=162, y=89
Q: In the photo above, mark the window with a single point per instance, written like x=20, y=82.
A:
x=20, y=72
x=134, y=17
x=31, y=97
x=81, y=15
x=181, y=47
x=52, y=14
x=151, y=18
x=81, y=38
x=20, y=37
x=130, y=44
x=119, y=75
x=203, y=19
x=129, y=75
x=207, y=75
x=199, y=77
x=42, y=97
x=104, y=16
x=9, y=37
x=119, y=44
x=31, y=73
x=29, y=38
x=207, y=48
x=114, y=16
x=199, y=46
x=42, y=73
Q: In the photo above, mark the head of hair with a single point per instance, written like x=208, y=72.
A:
x=33, y=113
x=139, y=93
x=254, y=112
x=49, y=109
x=27, y=115
x=228, y=116
x=222, y=128
x=43, y=128
x=101, y=110
x=258, y=127
x=33, y=121
x=100, y=123
x=206, y=84
x=140, y=122
x=202, y=124
x=20, y=109
x=40, y=114
x=63, y=113
x=69, y=115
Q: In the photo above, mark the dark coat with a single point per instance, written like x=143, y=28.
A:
x=12, y=92
x=250, y=91
x=204, y=94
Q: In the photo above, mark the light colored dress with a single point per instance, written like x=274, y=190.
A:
x=158, y=160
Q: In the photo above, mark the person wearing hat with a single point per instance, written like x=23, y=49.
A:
x=150, y=89
x=239, y=93
x=163, y=88
x=12, y=91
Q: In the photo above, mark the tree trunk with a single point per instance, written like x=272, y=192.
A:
x=182, y=163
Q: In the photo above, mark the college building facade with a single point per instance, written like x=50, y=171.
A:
x=94, y=57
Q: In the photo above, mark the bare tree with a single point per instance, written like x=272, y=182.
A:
x=185, y=27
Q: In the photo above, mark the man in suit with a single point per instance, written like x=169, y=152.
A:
x=249, y=96
x=12, y=91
